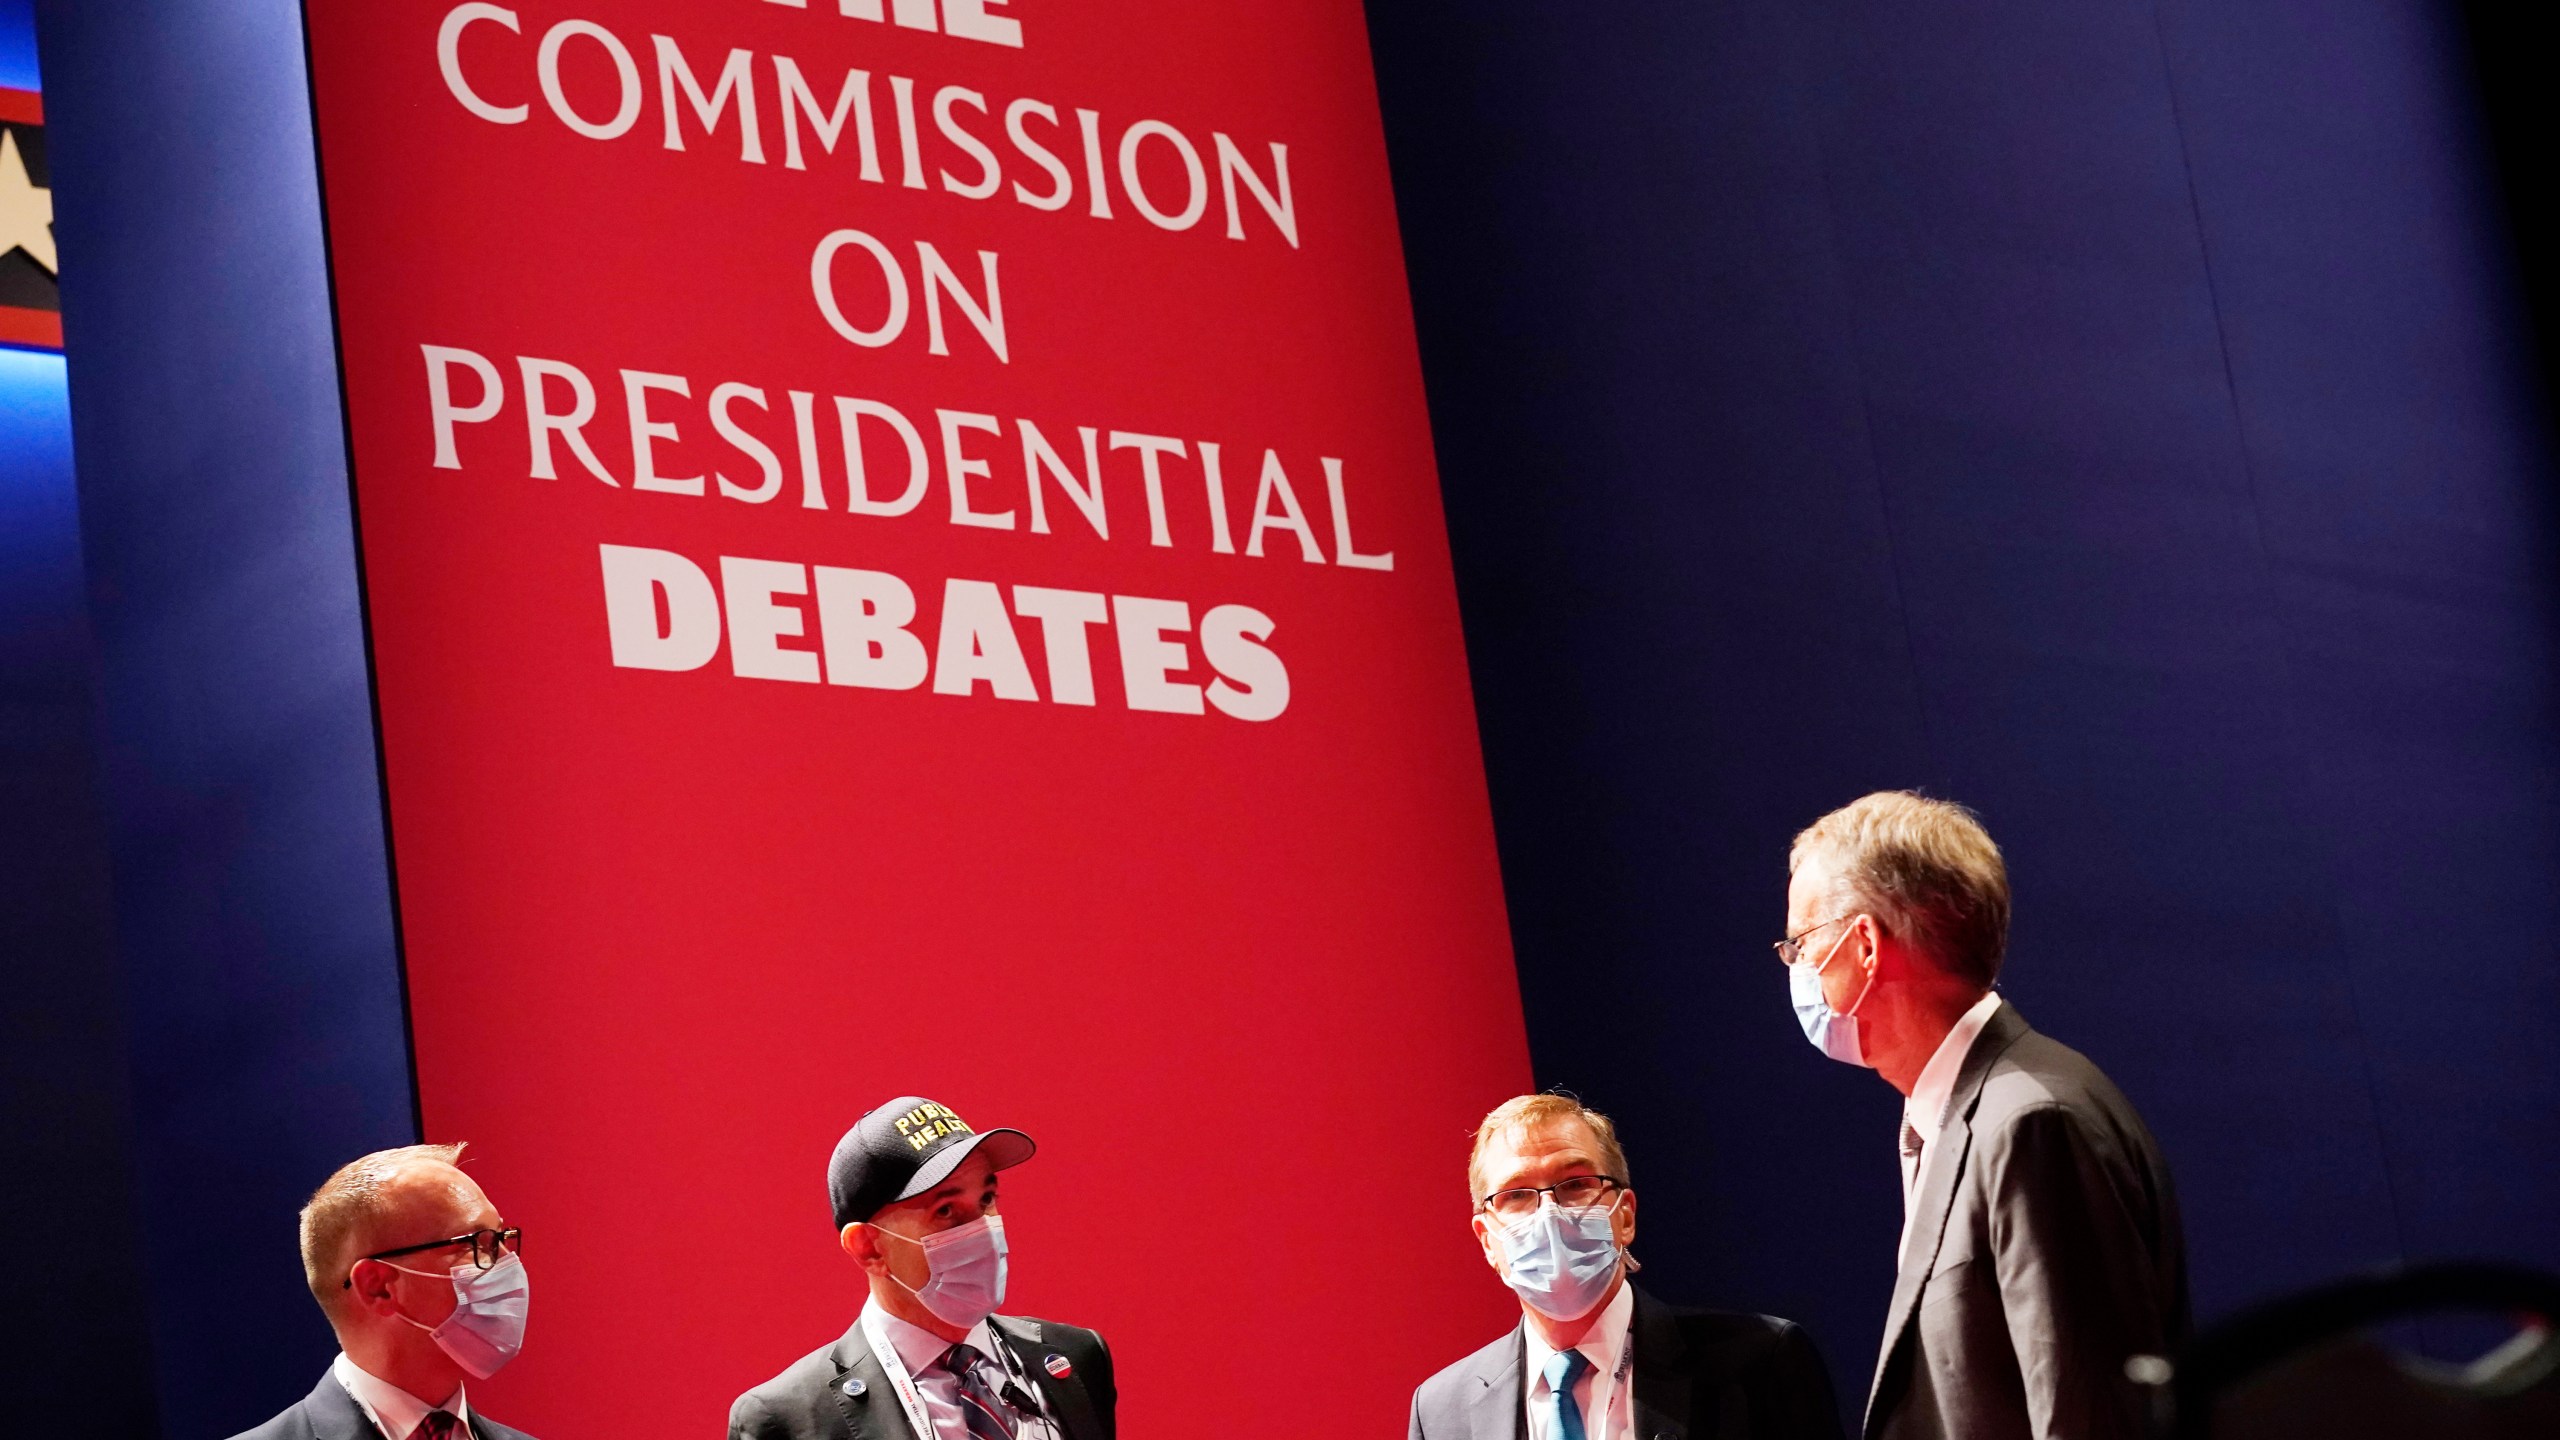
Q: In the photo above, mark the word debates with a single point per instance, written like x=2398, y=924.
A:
x=664, y=612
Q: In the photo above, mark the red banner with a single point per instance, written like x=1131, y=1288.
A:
x=903, y=555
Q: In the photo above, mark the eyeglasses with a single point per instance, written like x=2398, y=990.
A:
x=1579, y=1193
x=1791, y=949
x=487, y=1248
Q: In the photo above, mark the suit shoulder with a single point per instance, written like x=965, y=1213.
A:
x=800, y=1382
x=278, y=1427
x=1056, y=1333
x=1460, y=1379
x=2040, y=1072
x=2051, y=1091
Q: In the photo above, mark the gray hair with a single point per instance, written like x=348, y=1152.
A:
x=1926, y=869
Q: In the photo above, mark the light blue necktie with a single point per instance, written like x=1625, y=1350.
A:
x=1564, y=1371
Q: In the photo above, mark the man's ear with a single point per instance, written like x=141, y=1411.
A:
x=859, y=1243
x=1870, y=942
x=1624, y=1222
x=370, y=1280
x=1484, y=1240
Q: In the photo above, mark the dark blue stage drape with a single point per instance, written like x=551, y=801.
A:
x=2119, y=417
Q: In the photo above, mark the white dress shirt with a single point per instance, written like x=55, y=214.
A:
x=921, y=1351
x=1605, y=1393
x=394, y=1411
x=1925, y=1109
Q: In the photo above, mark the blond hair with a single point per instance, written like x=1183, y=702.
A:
x=345, y=1211
x=1534, y=1112
x=1927, y=871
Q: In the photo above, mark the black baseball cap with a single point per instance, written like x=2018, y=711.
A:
x=903, y=1149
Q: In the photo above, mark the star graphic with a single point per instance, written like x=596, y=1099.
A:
x=26, y=212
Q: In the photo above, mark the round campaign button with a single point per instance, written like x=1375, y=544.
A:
x=1057, y=1365
x=853, y=1385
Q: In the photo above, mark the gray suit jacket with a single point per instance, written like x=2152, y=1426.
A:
x=2044, y=1250
x=1699, y=1375
x=841, y=1393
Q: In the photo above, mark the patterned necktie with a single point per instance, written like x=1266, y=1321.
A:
x=1564, y=1371
x=438, y=1425
x=982, y=1404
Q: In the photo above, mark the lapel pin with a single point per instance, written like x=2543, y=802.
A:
x=853, y=1386
x=1057, y=1365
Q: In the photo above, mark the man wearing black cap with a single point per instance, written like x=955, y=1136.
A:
x=914, y=1190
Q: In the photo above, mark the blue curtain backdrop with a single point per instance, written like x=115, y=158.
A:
x=242, y=812
x=2116, y=416
x=65, y=1127
x=73, y=1291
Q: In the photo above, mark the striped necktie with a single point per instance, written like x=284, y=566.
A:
x=438, y=1425
x=1564, y=1371
x=983, y=1406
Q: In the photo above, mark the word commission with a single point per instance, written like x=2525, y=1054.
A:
x=484, y=75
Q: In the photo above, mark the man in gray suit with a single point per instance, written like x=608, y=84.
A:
x=2040, y=1243
x=1594, y=1358
x=913, y=1188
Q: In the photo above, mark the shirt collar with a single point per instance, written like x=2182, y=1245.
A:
x=394, y=1411
x=919, y=1348
x=1603, y=1346
x=1926, y=1110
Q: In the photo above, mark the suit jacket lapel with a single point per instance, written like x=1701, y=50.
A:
x=1066, y=1398
x=1939, y=1173
x=1662, y=1386
x=875, y=1414
x=1497, y=1412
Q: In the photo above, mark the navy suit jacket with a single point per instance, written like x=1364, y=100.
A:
x=330, y=1413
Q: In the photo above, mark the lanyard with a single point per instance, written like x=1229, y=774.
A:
x=919, y=1418
x=894, y=1366
x=1618, y=1378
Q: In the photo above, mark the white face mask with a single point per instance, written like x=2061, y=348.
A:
x=965, y=1275
x=486, y=1328
x=1560, y=1262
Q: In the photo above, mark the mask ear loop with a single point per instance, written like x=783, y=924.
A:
x=1626, y=1253
x=928, y=1260
x=402, y=1315
x=1863, y=990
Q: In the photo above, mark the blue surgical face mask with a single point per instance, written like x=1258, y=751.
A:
x=1832, y=1033
x=1559, y=1261
x=966, y=1265
x=486, y=1328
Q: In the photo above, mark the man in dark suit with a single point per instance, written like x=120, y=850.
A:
x=2040, y=1243
x=1594, y=1358
x=914, y=1193
x=422, y=1281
